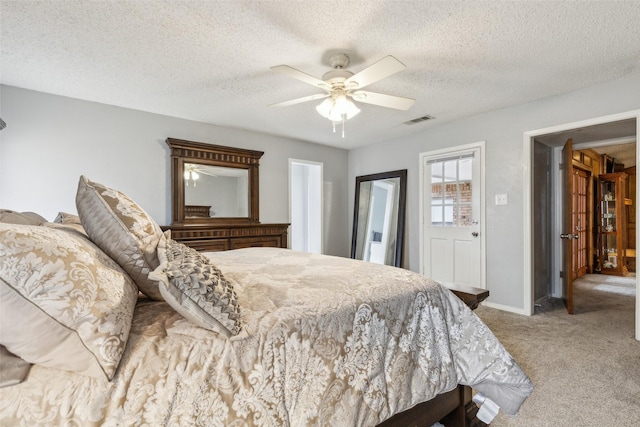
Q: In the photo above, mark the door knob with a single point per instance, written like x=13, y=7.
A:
x=569, y=236
x=474, y=234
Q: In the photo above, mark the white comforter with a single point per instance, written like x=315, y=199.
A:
x=327, y=341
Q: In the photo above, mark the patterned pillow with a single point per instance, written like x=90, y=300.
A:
x=13, y=370
x=12, y=217
x=196, y=289
x=63, y=302
x=123, y=230
x=67, y=218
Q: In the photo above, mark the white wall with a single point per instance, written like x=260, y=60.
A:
x=51, y=140
x=503, y=132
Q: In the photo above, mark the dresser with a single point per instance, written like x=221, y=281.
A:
x=215, y=196
x=231, y=236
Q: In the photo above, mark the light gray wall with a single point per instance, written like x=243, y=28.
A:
x=51, y=140
x=503, y=132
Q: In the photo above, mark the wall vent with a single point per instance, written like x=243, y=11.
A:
x=419, y=119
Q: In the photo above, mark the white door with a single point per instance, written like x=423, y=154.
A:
x=452, y=215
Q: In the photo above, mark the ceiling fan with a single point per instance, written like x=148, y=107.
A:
x=341, y=85
x=192, y=172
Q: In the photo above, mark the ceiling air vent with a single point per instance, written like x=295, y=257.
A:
x=419, y=119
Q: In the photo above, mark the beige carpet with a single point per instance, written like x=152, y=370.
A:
x=585, y=367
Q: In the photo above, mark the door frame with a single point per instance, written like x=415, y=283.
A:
x=528, y=137
x=444, y=152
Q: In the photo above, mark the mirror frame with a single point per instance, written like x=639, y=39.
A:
x=183, y=151
x=402, y=200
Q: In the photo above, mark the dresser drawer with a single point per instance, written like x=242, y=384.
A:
x=231, y=236
x=211, y=245
x=252, y=242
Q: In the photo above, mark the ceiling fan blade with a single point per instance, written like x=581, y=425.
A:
x=302, y=76
x=300, y=100
x=206, y=172
x=378, y=71
x=382, y=100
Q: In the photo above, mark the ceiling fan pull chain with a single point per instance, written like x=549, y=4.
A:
x=344, y=118
x=334, y=126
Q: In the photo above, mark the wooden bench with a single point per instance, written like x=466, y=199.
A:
x=470, y=295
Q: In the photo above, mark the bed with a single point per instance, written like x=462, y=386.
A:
x=301, y=339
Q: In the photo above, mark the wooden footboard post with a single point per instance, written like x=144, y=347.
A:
x=458, y=417
x=465, y=413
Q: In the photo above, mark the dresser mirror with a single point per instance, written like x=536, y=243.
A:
x=213, y=184
x=378, y=222
x=215, y=191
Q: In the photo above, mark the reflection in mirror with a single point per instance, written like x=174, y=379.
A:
x=378, y=223
x=215, y=191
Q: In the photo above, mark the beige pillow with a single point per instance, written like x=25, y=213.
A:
x=123, y=230
x=197, y=289
x=13, y=370
x=67, y=218
x=12, y=217
x=63, y=302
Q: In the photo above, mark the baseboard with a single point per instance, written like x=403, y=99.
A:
x=505, y=308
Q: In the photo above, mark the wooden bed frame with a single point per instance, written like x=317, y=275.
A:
x=454, y=408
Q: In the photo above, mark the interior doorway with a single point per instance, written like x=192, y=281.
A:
x=305, y=205
x=542, y=216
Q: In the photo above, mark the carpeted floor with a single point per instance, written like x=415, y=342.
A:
x=585, y=367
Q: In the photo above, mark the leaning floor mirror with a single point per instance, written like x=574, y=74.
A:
x=378, y=220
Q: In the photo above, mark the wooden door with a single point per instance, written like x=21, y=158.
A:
x=580, y=224
x=567, y=235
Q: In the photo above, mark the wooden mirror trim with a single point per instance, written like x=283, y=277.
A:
x=402, y=200
x=183, y=151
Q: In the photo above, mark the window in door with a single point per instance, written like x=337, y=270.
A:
x=580, y=222
x=451, y=192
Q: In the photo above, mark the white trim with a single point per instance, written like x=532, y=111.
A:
x=480, y=146
x=504, y=308
x=528, y=192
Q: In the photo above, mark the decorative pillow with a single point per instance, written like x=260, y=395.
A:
x=67, y=218
x=196, y=289
x=13, y=370
x=71, y=227
x=67, y=221
x=63, y=302
x=123, y=230
x=12, y=217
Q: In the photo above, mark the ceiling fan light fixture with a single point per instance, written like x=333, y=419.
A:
x=337, y=108
x=324, y=108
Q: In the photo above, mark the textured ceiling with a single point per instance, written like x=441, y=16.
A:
x=209, y=60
